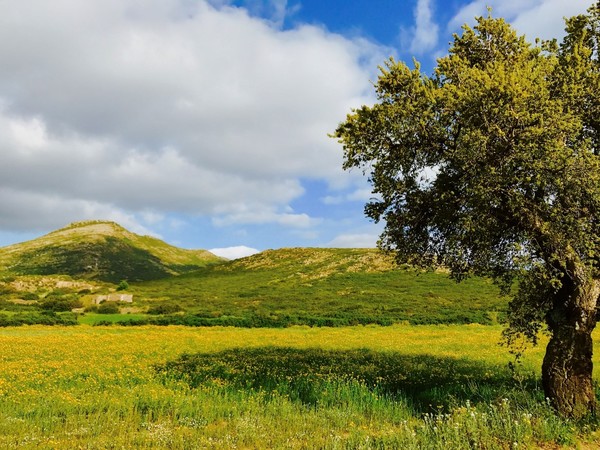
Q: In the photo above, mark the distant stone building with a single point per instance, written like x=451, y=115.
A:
x=61, y=284
x=126, y=298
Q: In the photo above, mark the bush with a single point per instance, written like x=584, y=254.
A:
x=60, y=304
x=7, y=291
x=30, y=296
x=123, y=285
x=165, y=308
x=108, y=308
x=45, y=318
x=58, y=293
x=103, y=323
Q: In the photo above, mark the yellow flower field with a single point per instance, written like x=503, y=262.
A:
x=96, y=387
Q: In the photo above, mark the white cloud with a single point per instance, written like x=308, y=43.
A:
x=425, y=32
x=146, y=108
x=534, y=18
x=260, y=217
x=275, y=11
x=236, y=252
x=358, y=195
x=333, y=199
x=358, y=240
x=43, y=212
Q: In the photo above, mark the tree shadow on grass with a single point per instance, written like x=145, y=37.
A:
x=427, y=382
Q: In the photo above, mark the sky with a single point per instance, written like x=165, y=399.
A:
x=205, y=122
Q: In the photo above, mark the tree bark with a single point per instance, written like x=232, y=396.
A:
x=567, y=366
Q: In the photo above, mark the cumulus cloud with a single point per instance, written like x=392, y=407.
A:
x=276, y=11
x=39, y=212
x=423, y=35
x=138, y=109
x=425, y=32
x=354, y=240
x=358, y=195
x=239, y=251
x=260, y=217
x=535, y=18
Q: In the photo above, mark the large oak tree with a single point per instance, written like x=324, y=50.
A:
x=491, y=166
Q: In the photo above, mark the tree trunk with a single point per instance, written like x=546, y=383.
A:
x=567, y=366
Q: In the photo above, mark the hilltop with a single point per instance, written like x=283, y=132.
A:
x=315, y=263
x=101, y=250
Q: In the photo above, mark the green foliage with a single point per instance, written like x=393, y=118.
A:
x=492, y=167
x=123, y=285
x=95, y=319
x=30, y=296
x=164, y=308
x=485, y=167
x=7, y=305
x=35, y=318
x=57, y=304
x=108, y=308
x=7, y=291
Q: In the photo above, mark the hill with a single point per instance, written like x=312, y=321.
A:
x=320, y=286
x=102, y=251
x=70, y=267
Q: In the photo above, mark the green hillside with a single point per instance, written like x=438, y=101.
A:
x=69, y=268
x=102, y=251
x=323, y=287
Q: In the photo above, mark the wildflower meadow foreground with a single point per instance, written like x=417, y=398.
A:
x=353, y=387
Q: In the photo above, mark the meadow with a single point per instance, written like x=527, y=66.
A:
x=400, y=386
x=273, y=289
x=321, y=287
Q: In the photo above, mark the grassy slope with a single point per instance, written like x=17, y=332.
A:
x=100, y=250
x=353, y=285
x=311, y=286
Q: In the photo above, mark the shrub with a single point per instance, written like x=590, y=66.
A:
x=58, y=293
x=165, y=308
x=123, y=285
x=45, y=318
x=60, y=304
x=103, y=323
x=7, y=290
x=108, y=308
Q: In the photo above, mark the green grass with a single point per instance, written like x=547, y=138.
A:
x=94, y=319
x=304, y=285
x=432, y=401
x=276, y=288
x=409, y=387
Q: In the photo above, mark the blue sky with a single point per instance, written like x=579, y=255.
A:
x=205, y=122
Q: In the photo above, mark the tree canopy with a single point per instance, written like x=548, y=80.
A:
x=491, y=166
